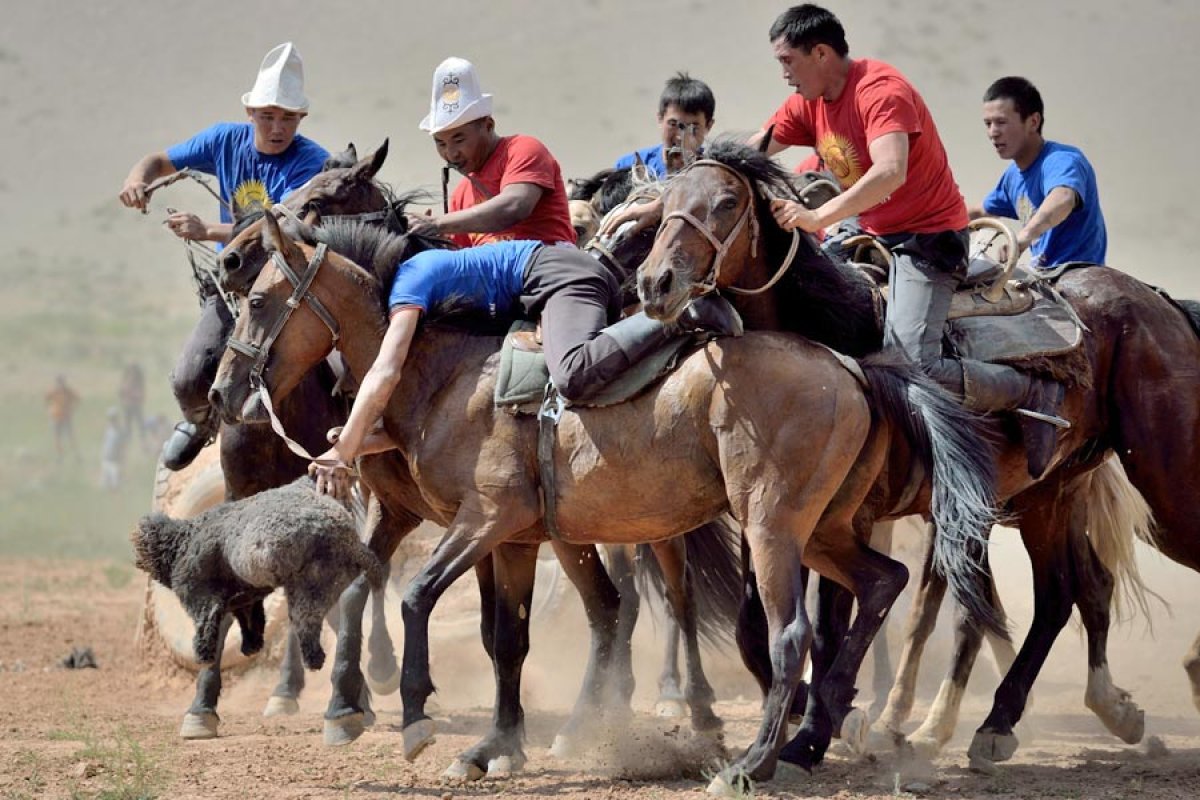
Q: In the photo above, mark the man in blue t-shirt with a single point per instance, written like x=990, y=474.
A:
x=256, y=163
x=685, y=116
x=1049, y=187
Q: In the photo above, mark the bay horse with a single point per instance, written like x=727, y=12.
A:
x=1130, y=385
x=791, y=464
x=696, y=574
x=254, y=459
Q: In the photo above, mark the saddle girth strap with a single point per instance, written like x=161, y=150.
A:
x=548, y=417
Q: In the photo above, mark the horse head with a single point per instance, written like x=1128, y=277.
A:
x=284, y=328
x=337, y=191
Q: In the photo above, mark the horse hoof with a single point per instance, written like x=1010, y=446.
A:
x=670, y=708
x=461, y=770
x=417, y=737
x=563, y=747
x=500, y=767
x=281, y=706
x=737, y=785
x=1127, y=722
x=881, y=738
x=988, y=748
x=344, y=730
x=388, y=685
x=199, y=726
x=854, y=731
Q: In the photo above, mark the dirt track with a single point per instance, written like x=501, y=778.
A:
x=111, y=732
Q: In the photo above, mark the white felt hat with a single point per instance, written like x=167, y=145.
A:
x=456, y=98
x=280, y=81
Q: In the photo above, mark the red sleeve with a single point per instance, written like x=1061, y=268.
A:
x=887, y=105
x=792, y=123
x=529, y=162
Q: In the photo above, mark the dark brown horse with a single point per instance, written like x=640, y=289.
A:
x=793, y=466
x=1131, y=389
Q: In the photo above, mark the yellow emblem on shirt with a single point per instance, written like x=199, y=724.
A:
x=840, y=158
x=1025, y=209
x=251, y=196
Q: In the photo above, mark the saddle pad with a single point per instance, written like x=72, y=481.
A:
x=1047, y=329
x=521, y=382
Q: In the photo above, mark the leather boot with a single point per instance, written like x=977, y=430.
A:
x=712, y=313
x=186, y=442
x=637, y=336
x=1041, y=436
x=992, y=387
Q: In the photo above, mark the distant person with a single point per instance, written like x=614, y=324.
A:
x=132, y=397
x=112, y=451
x=1050, y=187
x=257, y=164
x=61, y=402
x=685, y=116
x=512, y=187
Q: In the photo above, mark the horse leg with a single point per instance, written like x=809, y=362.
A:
x=875, y=581
x=670, y=692
x=834, y=606
x=602, y=603
x=383, y=673
x=672, y=557
x=1191, y=663
x=777, y=571
x=922, y=618
x=881, y=664
x=1043, y=531
x=472, y=535
x=1093, y=597
x=201, y=720
x=285, y=696
x=619, y=680
x=346, y=714
x=500, y=752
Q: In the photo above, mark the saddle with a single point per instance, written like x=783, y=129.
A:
x=523, y=376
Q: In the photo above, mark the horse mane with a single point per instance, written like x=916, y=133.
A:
x=821, y=298
x=605, y=190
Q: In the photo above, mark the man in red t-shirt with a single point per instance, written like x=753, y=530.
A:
x=513, y=189
x=873, y=131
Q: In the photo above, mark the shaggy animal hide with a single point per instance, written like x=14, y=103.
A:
x=229, y=558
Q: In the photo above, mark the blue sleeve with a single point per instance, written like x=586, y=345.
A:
x=199, y=152
x=998, y=204
x=413, y=284
x=1065, y=168
x=624, y=161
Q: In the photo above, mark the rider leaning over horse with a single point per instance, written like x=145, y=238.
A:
x=873, y=131
x=256, y=164
x=519, y=266
x=1050, y=187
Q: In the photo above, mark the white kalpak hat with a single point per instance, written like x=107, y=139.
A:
x=280, y=81
x=456, y=97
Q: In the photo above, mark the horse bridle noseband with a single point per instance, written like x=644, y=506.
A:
x=300, y=293
x=709, y=283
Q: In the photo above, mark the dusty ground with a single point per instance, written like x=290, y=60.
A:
x=111, y=732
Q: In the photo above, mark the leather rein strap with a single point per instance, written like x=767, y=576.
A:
x=721, y=248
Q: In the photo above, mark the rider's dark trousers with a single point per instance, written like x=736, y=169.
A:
x=576, y=298
x=197, y=365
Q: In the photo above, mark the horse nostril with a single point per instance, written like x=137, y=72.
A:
x=231, y=262
x=663, y=284
x=214, y=397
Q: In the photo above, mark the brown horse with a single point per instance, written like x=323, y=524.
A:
x=1131, y=389
x=792, y=465
x=696, y=574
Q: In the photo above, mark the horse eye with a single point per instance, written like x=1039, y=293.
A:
x=728, y=204
x=257, y=301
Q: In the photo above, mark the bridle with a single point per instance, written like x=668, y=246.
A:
x=721, y=248
x=300, y=293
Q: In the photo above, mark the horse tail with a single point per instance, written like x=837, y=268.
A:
x=1118, y=515
x=713, y=577
x=955, y=447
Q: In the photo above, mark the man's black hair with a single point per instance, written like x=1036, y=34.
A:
x=1025, y=97
x=690, y=95
x=806, y=26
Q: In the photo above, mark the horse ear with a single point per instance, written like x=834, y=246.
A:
x=273, y=237
x=369, y=166
x=766, y=140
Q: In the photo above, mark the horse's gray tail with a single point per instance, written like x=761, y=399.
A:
x=714, y=577
x=375, y=570
x=956, y=448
